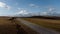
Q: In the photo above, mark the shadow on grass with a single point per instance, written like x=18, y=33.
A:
x=11, y=29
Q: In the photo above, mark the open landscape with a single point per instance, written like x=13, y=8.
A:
x=47, y=23
x=29, y=16
x=8, y=26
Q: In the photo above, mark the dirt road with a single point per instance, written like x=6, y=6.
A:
x=37, y=28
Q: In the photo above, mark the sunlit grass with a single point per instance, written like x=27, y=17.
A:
x=48, y=23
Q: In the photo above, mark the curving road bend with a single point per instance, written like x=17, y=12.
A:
x=37, y=28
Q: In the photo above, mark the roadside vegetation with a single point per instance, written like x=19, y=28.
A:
x=9, y=27
x=13, y=26
x=6, y=27
x=48, y=23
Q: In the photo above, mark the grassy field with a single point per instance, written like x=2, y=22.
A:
x=6, y=27
x=48, y=23
x=10, y=27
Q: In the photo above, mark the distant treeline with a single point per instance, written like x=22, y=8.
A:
x=44, y=17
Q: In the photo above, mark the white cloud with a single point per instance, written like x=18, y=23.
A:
x=44, y=13
x=51, y=9
x=18, y=9
x=8, y=7
x=49, y=12
x=4, y=5
x=33, y=5
x=22, y=12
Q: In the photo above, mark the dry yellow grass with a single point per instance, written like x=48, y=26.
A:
x=48, y=23
x=10, y=27
x=7, y=27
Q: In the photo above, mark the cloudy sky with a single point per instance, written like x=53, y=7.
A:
x=44, y=7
